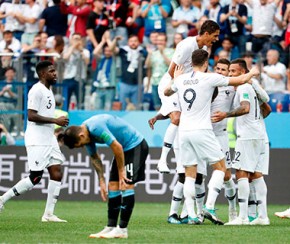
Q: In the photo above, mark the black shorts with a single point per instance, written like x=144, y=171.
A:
x=134, y=163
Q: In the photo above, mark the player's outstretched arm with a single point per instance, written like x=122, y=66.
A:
x=242, y=79
x=262, y=94
x=97, y=163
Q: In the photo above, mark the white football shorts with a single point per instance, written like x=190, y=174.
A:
x=224, y=143
x=41, y=157
x=171, y=103
x=263, y=165
x=248, y=154
x=199, y=147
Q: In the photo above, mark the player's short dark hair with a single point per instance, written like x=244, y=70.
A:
x=70, y=136
x=241, y=62
x=209, y=26
x=199, y=57
x=42, y=65
x=223, y=61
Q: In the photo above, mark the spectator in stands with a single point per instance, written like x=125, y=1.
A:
x=235, y=16
x=274, y=73
x=53, y=20
x=80, y=11
x=134, y=20
x=5, y=62
x=263, y=21
x=8, y=11
x=29, y=16
x=249, y=58
x=157, y=64
x=227, y=45
x=76, y=59
x=117, y=11
x=155, y=14
x=176, y=39
x=185, y=17
x=8, y=98
x=104, y=83
x=278, y=28
x=30, y=60
x=129, y=55
x=6, y=139
x=98, y=23
x=9, y=41
x=213, y=10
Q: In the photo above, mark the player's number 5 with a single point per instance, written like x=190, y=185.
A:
x=189, y=96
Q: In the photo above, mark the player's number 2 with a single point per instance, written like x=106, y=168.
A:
x=189, y=96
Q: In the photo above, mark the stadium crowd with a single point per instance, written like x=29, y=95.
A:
x=111, y=55
x=115, y=48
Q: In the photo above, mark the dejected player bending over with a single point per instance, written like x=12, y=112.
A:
x=130, y=152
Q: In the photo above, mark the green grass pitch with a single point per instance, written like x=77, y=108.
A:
x=20, y=223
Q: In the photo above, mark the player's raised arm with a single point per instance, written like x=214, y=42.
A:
x=242, y=79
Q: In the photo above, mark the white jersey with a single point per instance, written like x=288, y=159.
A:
x=195, y=92
x=248, y=125
x=183, y=52
x=41, y=100
x=223, y=102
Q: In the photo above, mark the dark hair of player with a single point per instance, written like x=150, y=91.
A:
x=199, y=57
x=209, y=26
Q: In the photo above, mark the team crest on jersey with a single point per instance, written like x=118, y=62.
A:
x=227, y=92
x=175, y=104
x=245, y=95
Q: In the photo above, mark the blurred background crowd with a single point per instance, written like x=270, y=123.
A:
x=111, y=54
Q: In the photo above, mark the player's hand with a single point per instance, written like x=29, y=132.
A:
x=104, y=192
x=178, y=70
x=151, y=122
x=255, y=71
x=123, y=180
x=62, y=121
x=218, y=116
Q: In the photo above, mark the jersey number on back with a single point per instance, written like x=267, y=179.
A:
x=189, y=96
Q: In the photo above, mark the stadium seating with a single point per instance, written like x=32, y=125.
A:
x=279, y=102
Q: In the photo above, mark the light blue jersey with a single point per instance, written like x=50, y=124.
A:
x=105, y=129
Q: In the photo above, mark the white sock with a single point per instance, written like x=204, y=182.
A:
x=52, y=196
x=261, y=196
x=176, y=198
x=21, y=187
x=214, y=188
x=189, y=195
x=183, y=211
x=168, y=141
x=199, y=198
x=230, y=192
x=243, y=197
x=252, y=203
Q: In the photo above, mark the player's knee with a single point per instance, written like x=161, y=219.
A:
x=175, y=120
x=181, y=178
x=35, y=176
x=228, y=175
x=199, y=179
x=56, y=176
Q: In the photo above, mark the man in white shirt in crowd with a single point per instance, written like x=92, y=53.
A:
x=274, y=73
x=197, y=141
x=41, y=144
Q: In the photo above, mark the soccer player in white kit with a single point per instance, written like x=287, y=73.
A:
x=250, y=146
x=209, y=33
x=196, y=138
x=41, y=144
x=224, y=102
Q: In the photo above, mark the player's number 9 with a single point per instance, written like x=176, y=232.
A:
x=189, y=96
